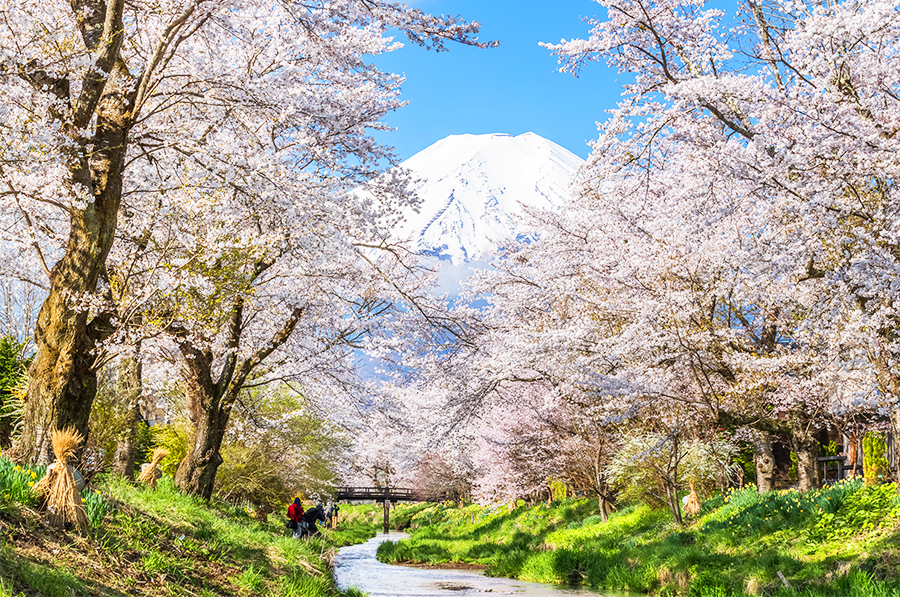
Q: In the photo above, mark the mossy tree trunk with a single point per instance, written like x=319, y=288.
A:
x=63, y=380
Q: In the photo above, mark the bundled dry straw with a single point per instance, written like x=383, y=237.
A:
x=148, y=474
x=58, y=485
x=692, y=506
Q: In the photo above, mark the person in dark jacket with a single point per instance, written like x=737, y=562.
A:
x=312, y=516
x=295, y=517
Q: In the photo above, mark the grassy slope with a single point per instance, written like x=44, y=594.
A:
x=158, y=542
x=844, y=540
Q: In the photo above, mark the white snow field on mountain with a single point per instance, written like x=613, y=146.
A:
x=473, y=186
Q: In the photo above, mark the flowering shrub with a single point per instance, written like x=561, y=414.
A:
x=16, y=482
x=839, y=510
x=95, y=506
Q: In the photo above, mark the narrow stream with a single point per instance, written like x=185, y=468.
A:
x=356, y=566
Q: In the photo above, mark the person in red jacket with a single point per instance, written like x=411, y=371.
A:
x=295, y=516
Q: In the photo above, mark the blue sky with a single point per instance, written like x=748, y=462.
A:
x=510, y=89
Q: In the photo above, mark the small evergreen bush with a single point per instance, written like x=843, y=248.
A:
x=875, y=464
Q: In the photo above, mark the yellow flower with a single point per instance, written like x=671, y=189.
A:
x=83, y=501
x=33, y=475
x=30, y=483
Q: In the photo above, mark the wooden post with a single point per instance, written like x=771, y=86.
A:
x=387, y=510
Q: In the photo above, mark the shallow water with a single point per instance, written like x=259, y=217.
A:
x=356, y=566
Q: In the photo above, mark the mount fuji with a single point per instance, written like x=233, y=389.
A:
x=473, y=186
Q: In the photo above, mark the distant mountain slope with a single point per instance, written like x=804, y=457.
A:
x=472, y=185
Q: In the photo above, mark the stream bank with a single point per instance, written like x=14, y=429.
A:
x=840, y=540
x=355, y=566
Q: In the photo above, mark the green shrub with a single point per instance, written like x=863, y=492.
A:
x=875, y=464
x=173, y=438
x=747, y=512
x=557, y=490
x=13, y=385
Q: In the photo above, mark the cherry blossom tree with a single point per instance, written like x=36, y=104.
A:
x=793, y=105
x=115, y=112
x=529, y=435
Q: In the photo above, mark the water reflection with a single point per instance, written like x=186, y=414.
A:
x=356, y=566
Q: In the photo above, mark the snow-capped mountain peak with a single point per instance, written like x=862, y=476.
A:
x=472, y=186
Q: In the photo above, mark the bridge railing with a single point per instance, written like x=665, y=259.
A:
x=397, y=494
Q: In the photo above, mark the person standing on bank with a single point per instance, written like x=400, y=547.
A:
x=295, y=517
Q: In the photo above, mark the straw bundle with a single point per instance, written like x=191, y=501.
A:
x=58, y=485
x=148, y=473
x=692, y=506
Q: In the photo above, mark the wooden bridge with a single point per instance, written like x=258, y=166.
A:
x=386, y=495
x=393, y=494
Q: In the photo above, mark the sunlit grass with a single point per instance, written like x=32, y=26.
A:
x=823, y=541
x=160, y=542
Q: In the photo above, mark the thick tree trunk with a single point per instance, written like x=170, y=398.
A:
x=63, y=381
x=764, y=457
x=807, y=466
x=852, y=451
x=209, y=401
x=123, y=460
x=209, y=413
x=604, y=509
x=131, y=391
x=806, y=447
x=196, y=475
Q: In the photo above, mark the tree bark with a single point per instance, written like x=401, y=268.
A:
x=131, y=390
x=764, y=457
x=601, y=485
x=63, y=381
x=850, y=449
x=895, y=432
x=674, y=503
x=604, y=506
x=807, y=465
x=806, y=447
x=196, y=474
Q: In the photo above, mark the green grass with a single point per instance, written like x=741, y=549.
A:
x=841, y=540
x=157, y=542
x=16, y=483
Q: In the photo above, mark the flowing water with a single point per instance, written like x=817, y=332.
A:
x=356, y=566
